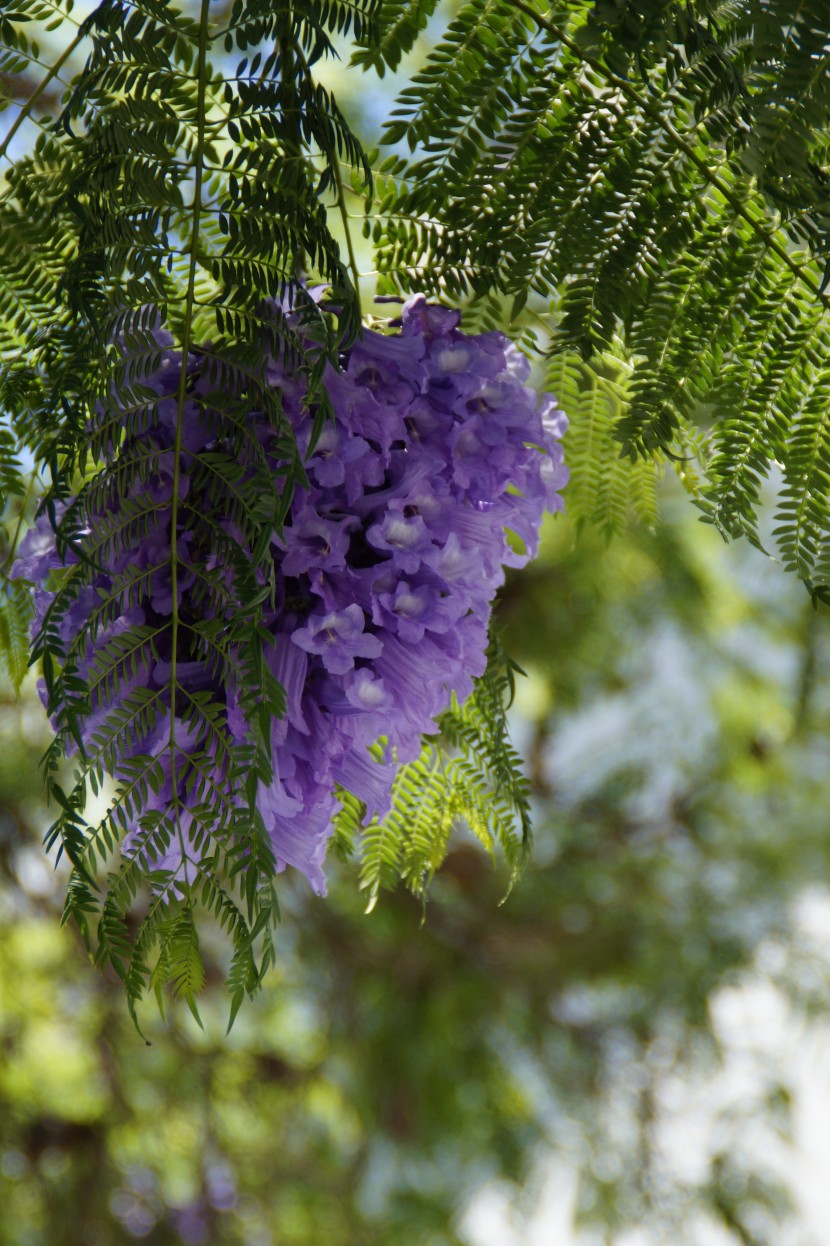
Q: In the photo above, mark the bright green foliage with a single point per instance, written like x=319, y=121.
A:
x=15, y=618
x=470, y=777
x=605, y=487
x=653, y=173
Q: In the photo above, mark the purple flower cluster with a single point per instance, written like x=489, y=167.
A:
x=383, y=575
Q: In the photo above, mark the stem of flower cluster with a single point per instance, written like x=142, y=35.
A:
x=181, y=398
x=344, y=216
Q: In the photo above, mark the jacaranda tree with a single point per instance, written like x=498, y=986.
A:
x=266, y=529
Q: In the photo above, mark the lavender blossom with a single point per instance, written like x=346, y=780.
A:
x=381, y=580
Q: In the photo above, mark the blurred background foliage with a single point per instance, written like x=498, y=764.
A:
x=675, y=718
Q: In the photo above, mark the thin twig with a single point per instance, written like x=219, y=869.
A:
x=344, y=216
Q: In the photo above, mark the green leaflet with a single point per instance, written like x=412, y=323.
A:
x=392, y=34
x=15, y=618
x=606, y=487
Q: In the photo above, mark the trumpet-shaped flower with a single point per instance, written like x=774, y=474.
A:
x=380, y=581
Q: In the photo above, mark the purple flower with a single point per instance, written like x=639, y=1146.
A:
x=334, y=454
x=380, y=583
x=315, y=543
x=391, y=368
x=368, y=692
x=339, y=638
x=412, y=609
x=404, y=536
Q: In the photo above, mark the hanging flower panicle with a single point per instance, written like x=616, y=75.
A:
x=383, y=574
